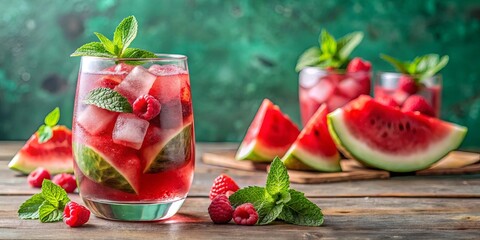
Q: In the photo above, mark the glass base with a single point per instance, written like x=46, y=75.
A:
x=133, y=211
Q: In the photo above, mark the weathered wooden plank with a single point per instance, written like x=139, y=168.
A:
x=8, y=149
x=375, y=218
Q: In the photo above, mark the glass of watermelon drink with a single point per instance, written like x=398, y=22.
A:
x=133, y=136
x=395, y=89
x=333, y=87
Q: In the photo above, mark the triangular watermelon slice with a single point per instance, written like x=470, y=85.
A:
x=384, y=137
x=55, y=155
x=270, y=134
x=314, y=148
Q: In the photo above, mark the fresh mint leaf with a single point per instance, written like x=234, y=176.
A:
x=49, y=213
x=124, y=34
x=44, y=133
x=52, y=118
x=29, y=209
x=54, y=194
x=397, y=64
x=261, y=200
x=437, y=67
x=277, y=179
x=301, y=211
x=137, y=53
x=95, y=49
x=108, y=99
x=328, y=45
x=270, y=215
x=348, y=43
x=311, y=57
x=107, y=43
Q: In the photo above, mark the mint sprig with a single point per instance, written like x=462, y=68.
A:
x=108, y=99
x=45, y=131
x=421, y=67
x=277, y=201
x=47, y=206
x=331, y=52
x=123, y=36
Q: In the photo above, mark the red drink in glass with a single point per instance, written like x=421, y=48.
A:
x=134, y=164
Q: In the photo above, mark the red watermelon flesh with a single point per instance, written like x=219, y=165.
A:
x=314, y=148
x=55, y=155
x=386, y=138
x=270, y=134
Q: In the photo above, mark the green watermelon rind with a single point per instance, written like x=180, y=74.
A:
x=358, y=149
x=20, y=164
x=257, y=153
x=297, y=158
x=94, y=166
x=183, y=137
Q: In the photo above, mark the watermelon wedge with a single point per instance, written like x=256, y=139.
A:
x=270, y=134
x=55, y=155
x=314, y=148
x=170, y=148
x=386, y=138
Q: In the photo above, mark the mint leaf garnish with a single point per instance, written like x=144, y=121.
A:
x=301, y=211
x=29, y=209
x=123, y=36
x=421, y=67
x=47, y=206
x=108, y=99
x=331, y=53
x=45, y=131
x=277, y=201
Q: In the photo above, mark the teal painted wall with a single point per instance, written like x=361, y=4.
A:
x=239, y=52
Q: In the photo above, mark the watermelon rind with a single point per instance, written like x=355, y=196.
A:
x=21, y=163
x=255, y=152
x=299, y=159
x=94, y=166
x=171, y=153
x=359, y=150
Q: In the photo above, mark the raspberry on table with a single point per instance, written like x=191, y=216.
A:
x=220, y=209
x=146, y=107
x=66, y=181
x=221, y=185
x=35, y=178
x=245, y=214
x=75, y=215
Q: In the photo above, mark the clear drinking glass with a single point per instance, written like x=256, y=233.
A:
x=387, y=84
x=133, y=136
x=335, y=88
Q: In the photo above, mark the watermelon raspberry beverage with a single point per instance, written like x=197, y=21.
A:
x=395, y=89
x=133, y=136
x=335, y=88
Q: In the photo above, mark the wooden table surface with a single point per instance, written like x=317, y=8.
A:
x=412, y=207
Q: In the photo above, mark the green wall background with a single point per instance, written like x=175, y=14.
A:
x=239, y=52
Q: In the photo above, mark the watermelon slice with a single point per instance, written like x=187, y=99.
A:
x=270, y=134
x=384, y=137
x=55, y=155
x=314, y=148
x=120, y=171
x=165, y=149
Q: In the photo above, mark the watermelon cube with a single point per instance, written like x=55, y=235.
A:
x=95, y=120
x=130, y=130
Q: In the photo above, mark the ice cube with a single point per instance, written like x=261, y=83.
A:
x=166, y=88
x=95, y=120
x=350, y=88
x=165, y=70
x=322, y=91
x=136, y=84
x=130, y=130
x=310, y=76
x=171, y=115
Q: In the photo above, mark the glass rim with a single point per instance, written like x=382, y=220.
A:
x=397, y=74
x=336, y=71
x=166, y=57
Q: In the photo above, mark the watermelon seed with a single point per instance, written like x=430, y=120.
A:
x=400, y=126
x=372, y=121
x=407, y=126
x=389, y=125
x=316, y=133
x=384, y=135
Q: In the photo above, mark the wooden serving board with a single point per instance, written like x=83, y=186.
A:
x=454, y=163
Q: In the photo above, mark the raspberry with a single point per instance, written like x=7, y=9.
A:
x=387, y=101
x=66, y=181
x=359, y=65
x=35, y=178
x=245, y=214
x=407, y=84
x=75, y=215
x=419, y=104
x=221, y=185
x=109, y=81
x=220, y=209
x=146, y=107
